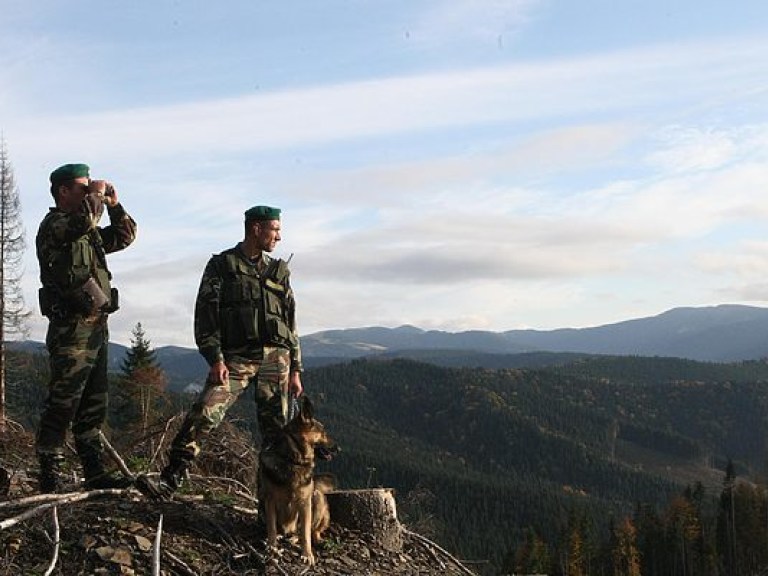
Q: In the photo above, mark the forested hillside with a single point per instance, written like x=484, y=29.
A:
x=535, y=469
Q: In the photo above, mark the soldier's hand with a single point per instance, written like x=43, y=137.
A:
x=110, y=195
x=294, y=384
x=218, y=374
x=104, y=190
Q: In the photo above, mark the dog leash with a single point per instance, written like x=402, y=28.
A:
x=293, y=407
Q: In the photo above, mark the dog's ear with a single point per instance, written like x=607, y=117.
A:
x=307, y=411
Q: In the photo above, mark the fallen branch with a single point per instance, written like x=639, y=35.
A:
x=432, y=553
x=15, y=426
x=116, y=457
x=180, y=564
x=248, y=494
x=21, y=502
x=247, y=511
x=156, y=548
x=162, y=439
x=56, y=543
x=64, y=499
x=427, y=542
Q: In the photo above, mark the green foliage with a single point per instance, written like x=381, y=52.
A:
x=140, y=354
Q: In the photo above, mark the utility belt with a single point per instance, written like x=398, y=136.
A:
x=88, y=300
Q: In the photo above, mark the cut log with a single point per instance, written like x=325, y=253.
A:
x=370, y=512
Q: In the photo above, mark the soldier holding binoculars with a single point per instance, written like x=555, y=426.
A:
x=77, y=296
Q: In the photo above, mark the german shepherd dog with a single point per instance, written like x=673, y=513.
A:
x=293, y=499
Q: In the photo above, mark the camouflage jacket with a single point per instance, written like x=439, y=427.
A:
x=243, y=305
x=71, y=248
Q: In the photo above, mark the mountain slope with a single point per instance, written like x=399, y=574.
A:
x=718, y=334
x=524, y=448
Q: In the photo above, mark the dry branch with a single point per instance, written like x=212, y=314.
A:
x=180, y=564
x=156, y=548
x=26, y=501
x=162, y=439
x=427, y=543
x=70, y=498
x=116, y=457
x=248, y=495
x=56, y=543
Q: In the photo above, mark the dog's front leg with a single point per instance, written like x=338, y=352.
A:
x=270, y=514
x=305, y=529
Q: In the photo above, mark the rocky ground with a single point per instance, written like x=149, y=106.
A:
x=211, y=529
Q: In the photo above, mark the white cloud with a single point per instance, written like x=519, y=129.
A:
x=632, y=80
x=685, y=150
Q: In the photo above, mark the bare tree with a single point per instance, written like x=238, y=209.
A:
x=13, y=313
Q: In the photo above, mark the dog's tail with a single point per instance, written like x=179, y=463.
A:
x=325, y=483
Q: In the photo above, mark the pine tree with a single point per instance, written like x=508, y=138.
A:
x=144, y=379
x=140, y=354
x=13, y=313
x=726, y=523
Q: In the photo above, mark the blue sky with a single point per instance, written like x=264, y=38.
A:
x=452, y=165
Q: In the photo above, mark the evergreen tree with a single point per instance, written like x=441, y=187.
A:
x=726, y=522
x=140, y=354
x=13, y=314
x=144, y=381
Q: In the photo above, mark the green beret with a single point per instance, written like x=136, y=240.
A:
x=262, y=213
x=69, y=172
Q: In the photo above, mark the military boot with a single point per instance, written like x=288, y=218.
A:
x=170, y=480
x=50, y=479
x=173, y=475
x=96, y=477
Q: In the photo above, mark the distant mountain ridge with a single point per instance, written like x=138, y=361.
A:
x=724, y=333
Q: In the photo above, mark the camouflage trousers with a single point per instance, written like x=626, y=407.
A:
x=268, y=369
x=78, y=388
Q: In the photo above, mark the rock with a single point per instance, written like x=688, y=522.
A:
x=144, y=544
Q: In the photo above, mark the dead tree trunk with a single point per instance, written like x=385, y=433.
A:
x=369, y=511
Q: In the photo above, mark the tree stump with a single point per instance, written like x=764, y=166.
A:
x=370, y=512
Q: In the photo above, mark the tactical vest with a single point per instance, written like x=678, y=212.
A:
x=67, y=268
x=252, y=306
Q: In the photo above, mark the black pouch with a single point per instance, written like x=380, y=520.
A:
x=114, y=300
x=47, y=301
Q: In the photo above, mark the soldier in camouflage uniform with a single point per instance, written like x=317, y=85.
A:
x=77, y=296
x=245, y=327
